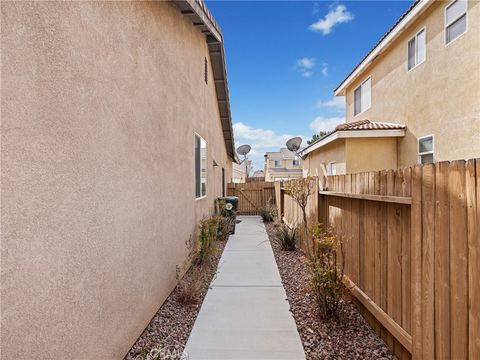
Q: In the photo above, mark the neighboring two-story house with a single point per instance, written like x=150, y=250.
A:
x=282, y=165
x=414, y=98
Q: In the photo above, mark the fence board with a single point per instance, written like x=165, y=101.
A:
x=458, y=261
x=428, y=233
x=474, y=259
x=442, y=261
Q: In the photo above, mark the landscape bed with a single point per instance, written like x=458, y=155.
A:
x=346, y=337
x=170, y=328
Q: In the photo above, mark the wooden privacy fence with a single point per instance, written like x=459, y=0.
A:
x=252, y=196
x=412, y=253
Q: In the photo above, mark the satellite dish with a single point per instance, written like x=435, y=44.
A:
x=244, y=150
x=294, y=144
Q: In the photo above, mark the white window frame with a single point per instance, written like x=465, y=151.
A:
x=206, y=166
x=416, y=48
x=296, y=162
x=359, y=87
x=432, y=152
x=445, y=25
x=275, y=163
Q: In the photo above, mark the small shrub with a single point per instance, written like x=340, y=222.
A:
x=269, y=212
x=206, y=239
x=190, y=288
x=225, y=226
x=326, y=269
x=286, y=237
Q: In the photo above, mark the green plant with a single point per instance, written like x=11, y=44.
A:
x=286, y=236
x=206, y=240
x=326, y=263
x=269, y=212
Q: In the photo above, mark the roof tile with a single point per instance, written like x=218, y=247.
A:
x=368, y=125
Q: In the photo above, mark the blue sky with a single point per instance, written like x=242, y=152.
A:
x=284, y=59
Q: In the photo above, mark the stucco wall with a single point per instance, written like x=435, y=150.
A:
x=100, y=103
x=439, y=97
x=369, y=154
x=332, y=152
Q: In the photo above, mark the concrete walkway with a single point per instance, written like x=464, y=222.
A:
x=245, y=314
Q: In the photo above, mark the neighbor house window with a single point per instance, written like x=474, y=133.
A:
x=425, y=150
x=416, y=49
x=277, y=163
x=332, y=168
x=362, y=97
x=200, y=167
x=455, y=20
x=296, y=162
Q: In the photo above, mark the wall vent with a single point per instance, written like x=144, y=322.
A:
x=206, y=71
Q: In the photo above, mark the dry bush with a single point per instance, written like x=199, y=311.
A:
x=207, y=236
x=300, y=190
x=269, y=212
x=286, y=236
x=225, y=227
x=190, y=288
x=325, y=260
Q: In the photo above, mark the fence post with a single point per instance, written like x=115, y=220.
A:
x=279, y=197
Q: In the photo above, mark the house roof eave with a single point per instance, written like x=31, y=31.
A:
x=198, y=13
x=417, y=8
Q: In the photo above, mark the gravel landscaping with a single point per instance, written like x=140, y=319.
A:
x=171, y=326
x=345, y=337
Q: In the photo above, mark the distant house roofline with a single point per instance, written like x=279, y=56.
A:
x=417, y=8
x=203, y=20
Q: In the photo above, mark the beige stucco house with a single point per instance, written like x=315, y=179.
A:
x=116, y=138
x=239, y=171
x=424, y=76
x=282, y=165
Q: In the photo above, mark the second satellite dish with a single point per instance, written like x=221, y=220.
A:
x=294, y=144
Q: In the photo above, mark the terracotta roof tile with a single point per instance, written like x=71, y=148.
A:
x=368, y=125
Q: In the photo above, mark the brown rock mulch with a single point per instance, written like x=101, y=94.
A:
x=171, y=326
x=345, y=337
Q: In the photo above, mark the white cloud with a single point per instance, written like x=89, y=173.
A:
x=324, y=69
x=336, y=103
x=305, y=65
x=321, y=123
x=260, y=138
x=337, y=15
x=261, y=141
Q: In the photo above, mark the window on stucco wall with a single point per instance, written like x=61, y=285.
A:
x=200, y=167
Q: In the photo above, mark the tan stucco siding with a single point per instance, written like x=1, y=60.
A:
x=439, y=97
x=100, y=103
x=369, y=154
x=333, y=152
